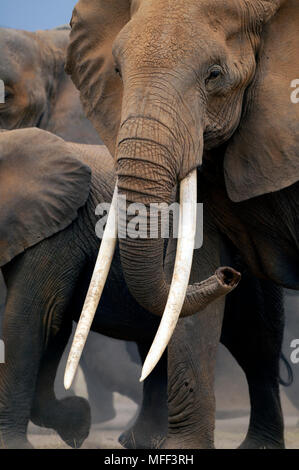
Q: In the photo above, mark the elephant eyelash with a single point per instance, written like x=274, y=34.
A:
x=117, y=71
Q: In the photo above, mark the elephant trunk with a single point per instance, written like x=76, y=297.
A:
x=145, y=176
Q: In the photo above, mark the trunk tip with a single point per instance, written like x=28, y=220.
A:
x=229, y=277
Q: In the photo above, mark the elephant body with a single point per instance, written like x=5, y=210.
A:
x=213, y=92
x=47, y=283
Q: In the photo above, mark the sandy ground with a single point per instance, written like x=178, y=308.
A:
x=229, y=432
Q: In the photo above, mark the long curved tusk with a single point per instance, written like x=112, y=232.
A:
x=181, y=273
x=95, y=290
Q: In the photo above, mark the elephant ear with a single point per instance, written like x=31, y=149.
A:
x=263, y=155
x=95, y=25
x=42, y=186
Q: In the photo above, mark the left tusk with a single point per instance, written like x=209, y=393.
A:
x=181, y=273
x=95, y=290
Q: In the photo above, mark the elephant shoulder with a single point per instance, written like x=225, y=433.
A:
x=101, y=163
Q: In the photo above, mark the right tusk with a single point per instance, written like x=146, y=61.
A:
x=181, y=273
x=95, y=290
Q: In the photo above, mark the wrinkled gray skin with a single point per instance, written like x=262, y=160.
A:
x=57, y=287
x=40, y=94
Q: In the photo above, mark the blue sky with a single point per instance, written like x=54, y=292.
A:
x=35, y=14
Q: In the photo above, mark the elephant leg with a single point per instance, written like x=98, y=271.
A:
x=69, y=416
x=192, y=354
x=150, y=427
x=252, y=331
x=191, y=364
x=37, y=322
x=21, y=333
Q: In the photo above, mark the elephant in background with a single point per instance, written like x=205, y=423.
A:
x=38, y=93
x=206, y=94
x=47, y=262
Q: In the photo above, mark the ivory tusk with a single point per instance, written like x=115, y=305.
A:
x=181, y=273
x=94, y=293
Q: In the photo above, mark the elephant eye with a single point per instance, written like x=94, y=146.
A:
x=214, y=73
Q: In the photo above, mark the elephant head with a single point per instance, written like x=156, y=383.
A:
x=38, y=92
x=164, y=82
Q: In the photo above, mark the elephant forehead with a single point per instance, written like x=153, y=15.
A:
x=18, y=56
x=19, y=45
x=164, y=32
x=191, y=14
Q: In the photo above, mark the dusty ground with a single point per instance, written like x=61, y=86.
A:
x=229, y=432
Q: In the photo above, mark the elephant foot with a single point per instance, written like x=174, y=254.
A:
x=75, y=426
x=183, y=443
x=259, y=443
x=132, y=439
x=69, y=417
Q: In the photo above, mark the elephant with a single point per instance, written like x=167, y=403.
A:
x=39, y=93
x=34, y=364
x=191, y=89
x=49, y=192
